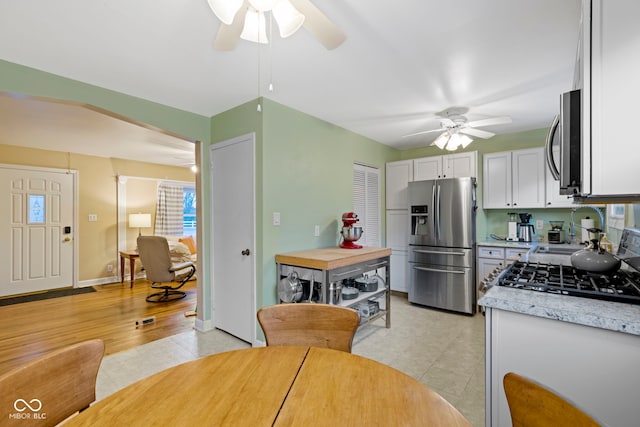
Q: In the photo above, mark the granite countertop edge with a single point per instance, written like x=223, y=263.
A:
x=619, y=317
x=506, y=243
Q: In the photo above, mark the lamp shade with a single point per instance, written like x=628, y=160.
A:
x=255, y=28
x=225, y=10
x=140, y=220
x=288, y=18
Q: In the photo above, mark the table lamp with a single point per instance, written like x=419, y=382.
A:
x=139, y=221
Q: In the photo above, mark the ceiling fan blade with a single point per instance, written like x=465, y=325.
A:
x=477, y=132
x=489, y=122
x=228, y=35
x=424, y=131
x=319, y=25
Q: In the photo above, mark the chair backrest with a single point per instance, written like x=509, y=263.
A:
x=533, y=405
x=315, y=325
x=52, y=387
x=155, y=258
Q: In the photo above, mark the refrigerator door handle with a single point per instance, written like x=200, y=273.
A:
x=438, y=215
x=438, y=270
x=424, y=251
x=433, y=208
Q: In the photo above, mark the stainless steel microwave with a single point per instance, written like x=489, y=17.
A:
x=565, y=163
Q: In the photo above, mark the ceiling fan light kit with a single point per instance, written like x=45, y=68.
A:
x=246, y=19
x=456, y=129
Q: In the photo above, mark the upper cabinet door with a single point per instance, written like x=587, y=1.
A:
x=427, y=168
x=496, y=190
x=460, y=165
x=398, y=176
x=527, y=168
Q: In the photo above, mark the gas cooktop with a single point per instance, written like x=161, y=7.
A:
x=621, y=286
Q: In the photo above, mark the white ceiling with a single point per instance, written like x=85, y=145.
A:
x=403, y=61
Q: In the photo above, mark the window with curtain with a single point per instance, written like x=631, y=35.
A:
x=366, y=203
x=169, y=210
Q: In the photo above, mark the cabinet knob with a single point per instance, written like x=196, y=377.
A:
x=515, y=204
x=508, y=204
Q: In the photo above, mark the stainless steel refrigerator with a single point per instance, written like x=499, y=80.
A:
x=442, y=244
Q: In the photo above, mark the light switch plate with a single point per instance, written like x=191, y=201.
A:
x=316, y=231
x=93, y=217
x=539, y=224
x=276, y=218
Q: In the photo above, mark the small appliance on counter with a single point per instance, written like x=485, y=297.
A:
x=350, y=231
x=556, y=234
x=525, y=230
x=512, y=234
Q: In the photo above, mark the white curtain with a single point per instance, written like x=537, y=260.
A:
x=169, y=210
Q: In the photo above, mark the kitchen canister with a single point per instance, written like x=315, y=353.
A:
x=585, y=235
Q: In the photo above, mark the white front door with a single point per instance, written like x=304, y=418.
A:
x=233, y=236
x=36, y=229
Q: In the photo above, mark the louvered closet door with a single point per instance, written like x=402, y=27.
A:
x=366, y=203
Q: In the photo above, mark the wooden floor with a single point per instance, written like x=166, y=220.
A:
x=33, y=328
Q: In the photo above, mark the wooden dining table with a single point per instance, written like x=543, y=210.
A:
x=274, y=386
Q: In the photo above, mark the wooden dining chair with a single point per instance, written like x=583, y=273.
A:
x=49, y=389
x=308, y=324
x=533, y=405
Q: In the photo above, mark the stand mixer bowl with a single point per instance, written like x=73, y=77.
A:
x=352, y=233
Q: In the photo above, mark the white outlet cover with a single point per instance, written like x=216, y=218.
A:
x=539, y=224
x=276, y=218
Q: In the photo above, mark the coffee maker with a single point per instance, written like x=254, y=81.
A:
x=525, y=230
x=512, y=234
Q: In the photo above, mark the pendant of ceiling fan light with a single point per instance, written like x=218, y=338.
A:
x=254, y=27
x=225, y=10
x=289, y=19
x=465, y=141
x=442, y=140
x=263, y=5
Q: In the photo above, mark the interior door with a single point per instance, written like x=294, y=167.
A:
x=233, y=235
x=36, y=230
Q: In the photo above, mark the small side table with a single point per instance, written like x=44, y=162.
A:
x=132, y=256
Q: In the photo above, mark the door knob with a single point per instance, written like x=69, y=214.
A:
x=246, y=252
x=67, y=239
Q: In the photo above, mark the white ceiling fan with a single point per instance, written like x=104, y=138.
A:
x=246, y=19
x=456, y=129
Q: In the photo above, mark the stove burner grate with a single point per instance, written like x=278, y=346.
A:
x=621, y=286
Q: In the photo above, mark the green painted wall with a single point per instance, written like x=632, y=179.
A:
x=304, y=171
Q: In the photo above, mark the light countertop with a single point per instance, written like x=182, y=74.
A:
x=614, y=316
x=506, y=243
x=330, y=258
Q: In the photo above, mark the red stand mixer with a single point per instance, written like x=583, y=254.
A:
x=350, y=232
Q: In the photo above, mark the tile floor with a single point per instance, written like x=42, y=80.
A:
x=443, y=350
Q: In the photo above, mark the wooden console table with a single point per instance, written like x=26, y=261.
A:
x=132, y=256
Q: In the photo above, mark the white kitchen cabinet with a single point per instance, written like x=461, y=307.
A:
x=514, y=179
x=592, y=367
x=427, y=168
x=460, y=165
x=398, y=240
x=490, y=258
x=398, y=176
x=610, y=89
x=445, y=166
